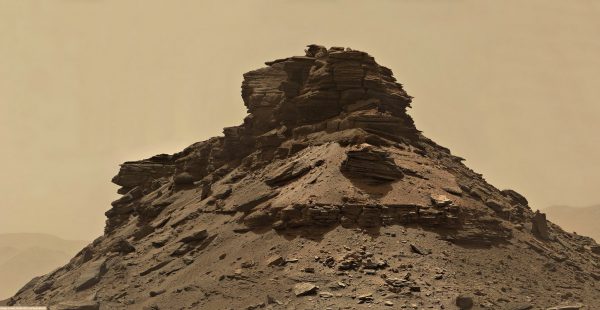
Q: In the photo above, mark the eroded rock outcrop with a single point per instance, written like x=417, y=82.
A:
x=329, y=182
x=370, y=165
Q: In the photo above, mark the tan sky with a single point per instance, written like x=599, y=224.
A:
x=87, y=84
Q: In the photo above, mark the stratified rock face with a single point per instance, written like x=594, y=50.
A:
x=326, y=91
x=91, y=275
x=326, y=195
x=370, y=165
x=326, y=88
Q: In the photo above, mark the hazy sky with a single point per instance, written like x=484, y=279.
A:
x=513, y=86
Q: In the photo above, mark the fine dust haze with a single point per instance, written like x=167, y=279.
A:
x=86, y=85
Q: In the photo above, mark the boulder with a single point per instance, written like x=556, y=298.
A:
x=305, y=288
x=275, y=261
x=122, y=246
x=250, y=202
x=440, y=200
x=368, y=297
x=44, y=286
x=454, y=190
x=417, y=249
x=143, y=172
x=370, y=165
x=259, y=218
x=155, y=293
x=91, y=274
x=495, y=205
x=288, y=173
x=515, y=197
x=464, y=302
x=316, y=51
x=195, y=236
x=183, y=178
x=155, y=267
x=222, y=193
x=540, y=226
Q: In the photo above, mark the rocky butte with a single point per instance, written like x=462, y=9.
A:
x=325, y=197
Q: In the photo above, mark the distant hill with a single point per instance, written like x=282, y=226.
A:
x=26, y=255
x=582, y=220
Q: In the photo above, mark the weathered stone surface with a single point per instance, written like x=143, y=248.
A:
x=323, y=215
x=252, y=202
x=440, y=200
x=195, y=236
x=371, y=165
x=260, y=218
x=349, y=215
x=276, y=260
x=540, y=226
x=287, y=173
x=419, y=250
x=155, y=293
x=303, y=289
x=223, y=193
x=91, y=274
x=362, y=298
x=316, y=51
x=183, y=178
x=495, y=205
x=454, y=190
x=515, y=197
x=160, y=241
x=76, y=305
x=304, y=89
x=348, y=75
x=568, y=307
x=144, y=171
x=464, y=302
x=123, y=246
x=155, y=267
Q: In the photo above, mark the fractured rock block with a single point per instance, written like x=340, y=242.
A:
x=370, y=216
x=515, y=197
x=183, y=179
x=195, y=236
x=540, y=226
x=323, y=215
x=91, y=275
x=371, y=165
x=303, y=289
x=287, y=173
x=464, y=302
x=495, y=205
x=440, y=200
x=141, y=172
x=258, y=218
x=251, y=202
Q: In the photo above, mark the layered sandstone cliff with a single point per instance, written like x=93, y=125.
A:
x=327, y=196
